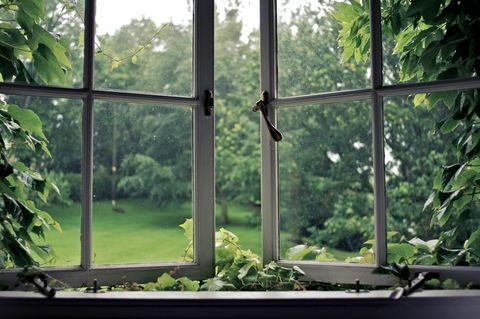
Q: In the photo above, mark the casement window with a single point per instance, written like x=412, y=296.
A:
x=291, y=103
x=100, y=110
x=368, y=110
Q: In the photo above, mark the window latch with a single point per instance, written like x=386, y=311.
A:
x=413, y=285
x=208, y=102
x=262, y=106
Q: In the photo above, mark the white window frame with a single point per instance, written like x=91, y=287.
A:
x=203, y=156
x=203, y=129
x=339, y=272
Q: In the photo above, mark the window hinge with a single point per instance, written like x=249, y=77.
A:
x=208, y=102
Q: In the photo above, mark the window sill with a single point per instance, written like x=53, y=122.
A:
x=332, y=304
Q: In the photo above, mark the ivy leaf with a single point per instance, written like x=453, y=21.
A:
x=27, y=119
x=115, y=63
x=188, y=284
x=188, y=228
x=166, y=281
x=299, y=252
x=217, y=284
x=400, y=252
x=34, y=8
x=474, y=241
x=47, y=66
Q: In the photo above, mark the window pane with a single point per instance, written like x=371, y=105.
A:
x=310, y=57
x=423, y=154
x=48, y=51
x=429, y=42
x=141, y=183
x=237, y=143
x=145, y=47
x=325, y=181
x=61, y=122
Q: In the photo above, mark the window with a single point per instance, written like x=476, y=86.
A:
x=92, y=118
x=360, y=107
x=344, y=149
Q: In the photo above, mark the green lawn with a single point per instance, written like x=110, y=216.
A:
x=141, y=233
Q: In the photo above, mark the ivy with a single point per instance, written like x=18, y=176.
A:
x=24, y=42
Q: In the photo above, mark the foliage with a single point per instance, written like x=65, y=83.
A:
x=433, y=44
x=235, y=269
x=24, y=44
x=143, y=177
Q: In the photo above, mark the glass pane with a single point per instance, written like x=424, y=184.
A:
x=237, y=143
x=141, y=183
x=145, y=47
x=430, y=41
x=311, y=56
x=42, y=43
x=61, y=122
x=424, y=151
x=325, y=182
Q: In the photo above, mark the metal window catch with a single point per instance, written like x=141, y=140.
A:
x=39, y=281
x=208, y=102
x=413, y=285
x=358, y=289
x=262, y=105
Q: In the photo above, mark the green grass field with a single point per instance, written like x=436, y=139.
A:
x=141, y=233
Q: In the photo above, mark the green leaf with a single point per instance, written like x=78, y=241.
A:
x=115, y=63
x=217, y=284
x=474, y=240
x=188, y=228
x=398, y=253
x=134, y=59
x=245, y=269
x=418, y=99
x=449, y=125
x=166, y=281
x=34, y=8
x=81, y=39
x=27, y=119
x=188, y=284
x=47, y=66
x=299, y=252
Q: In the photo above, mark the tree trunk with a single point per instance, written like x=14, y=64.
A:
x=114, y=158
x=224, y=211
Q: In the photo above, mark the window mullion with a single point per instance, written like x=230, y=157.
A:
x=378, y=134
x=269, y=193
x=203, y=140
x=87, y=137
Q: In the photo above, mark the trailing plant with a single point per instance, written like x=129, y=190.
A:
x=29, y=54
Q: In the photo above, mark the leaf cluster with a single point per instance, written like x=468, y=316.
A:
x=24, y=42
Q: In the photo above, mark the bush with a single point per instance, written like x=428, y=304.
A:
x=143, y=177
x=102, y=184
x=69, y=185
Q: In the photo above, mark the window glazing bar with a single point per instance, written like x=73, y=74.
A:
x=144, y=98
x=87, y=138
x=377, y=128
x=382, y=91
x=327, y=97
x=41, y=90
x=436, y=86
x=269, y=188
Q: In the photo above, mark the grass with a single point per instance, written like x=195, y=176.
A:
x=141, y=233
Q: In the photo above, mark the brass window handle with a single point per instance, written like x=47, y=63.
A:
x=262, y=106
